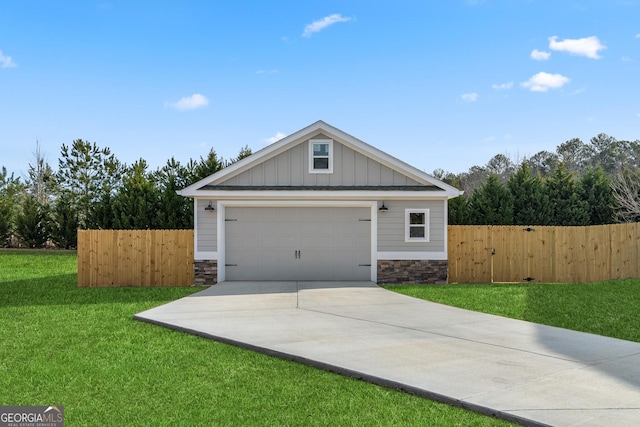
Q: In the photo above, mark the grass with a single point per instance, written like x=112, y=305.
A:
x=80, y=347
x=607, y=308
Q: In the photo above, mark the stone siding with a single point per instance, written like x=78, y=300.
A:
x=412, y=271
x=205, y=272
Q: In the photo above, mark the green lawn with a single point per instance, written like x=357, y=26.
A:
x=605, y=308
x=80, y=348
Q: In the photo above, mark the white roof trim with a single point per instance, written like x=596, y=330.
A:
x=340, y=136
x=320, y=195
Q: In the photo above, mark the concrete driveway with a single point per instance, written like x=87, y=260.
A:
x=520, y=371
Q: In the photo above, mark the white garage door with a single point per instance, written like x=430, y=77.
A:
x=292, y=243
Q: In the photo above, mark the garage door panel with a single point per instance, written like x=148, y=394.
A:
x=331, y=242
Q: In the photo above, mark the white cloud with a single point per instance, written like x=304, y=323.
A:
x=588, y=46
x=189, y=102
x=323, y=23
x=539, y=55
x=542, y=82
x=638, y=36
x=470, y=97
x=275, y=138
x=625, y=59
x=502, y=86
x=6, y=61
x=488, y=139
x=638, y=115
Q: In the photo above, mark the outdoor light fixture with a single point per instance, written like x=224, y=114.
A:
x=210, y=207
x=383, y=208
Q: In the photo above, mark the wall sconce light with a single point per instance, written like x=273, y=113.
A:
x=383, y=208
x=209, y=207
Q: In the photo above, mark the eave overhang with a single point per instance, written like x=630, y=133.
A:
x=321, y=195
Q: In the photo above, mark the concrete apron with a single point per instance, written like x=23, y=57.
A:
x=519, y=371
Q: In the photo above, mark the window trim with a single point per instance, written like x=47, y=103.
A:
x=408, y=225
x=311, y=156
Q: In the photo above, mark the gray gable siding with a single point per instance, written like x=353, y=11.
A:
x=391, y=227
x=207, y=227
x=291, y=168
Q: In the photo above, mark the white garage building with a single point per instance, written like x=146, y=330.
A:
x=320, y=205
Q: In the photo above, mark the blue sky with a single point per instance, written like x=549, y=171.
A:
x=438, y=84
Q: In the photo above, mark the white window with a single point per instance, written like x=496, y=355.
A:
x=320, y=156
x=416, y=225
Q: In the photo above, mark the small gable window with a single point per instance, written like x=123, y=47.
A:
x=320, y=156
x=416, y=228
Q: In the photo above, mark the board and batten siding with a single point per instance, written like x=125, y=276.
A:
x=291, y=168
x=391, y=227
x=207, y=237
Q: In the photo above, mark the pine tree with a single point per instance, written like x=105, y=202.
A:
x=32, y=223
x=6, y=217
x=11, y=191
x=101, y=217
x=531, y=205
x=458, y=211
x=574, y=154
x=205, y=167
x=136, y=205
x=491, y=204
x=595, y=190
x=87, y=172
x=177, y=211
x=64, y=223
x=244, y=152
x=567, y=207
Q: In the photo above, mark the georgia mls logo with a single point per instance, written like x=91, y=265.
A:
x=31, y=416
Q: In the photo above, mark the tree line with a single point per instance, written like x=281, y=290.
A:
x=578, y=184
x=92, y=189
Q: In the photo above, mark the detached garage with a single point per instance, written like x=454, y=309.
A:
x=320, y=205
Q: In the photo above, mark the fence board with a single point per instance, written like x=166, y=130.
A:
x=469, y=254
x=626, y=252
x=108, y=258
x=546, y=254
x=599, y=252
x=542, y=254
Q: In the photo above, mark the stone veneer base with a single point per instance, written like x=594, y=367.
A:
x=205, y=272
x=412, y=271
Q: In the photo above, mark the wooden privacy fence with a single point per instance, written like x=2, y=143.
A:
x=477, y=254
x=108, y=258
x=483, y=254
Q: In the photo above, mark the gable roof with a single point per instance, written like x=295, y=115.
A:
x=316, y=128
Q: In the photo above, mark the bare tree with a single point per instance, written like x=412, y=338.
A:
x=626, y=190
x=41, y=179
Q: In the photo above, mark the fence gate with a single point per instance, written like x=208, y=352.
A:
x=510, y=254
x=522, y=254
